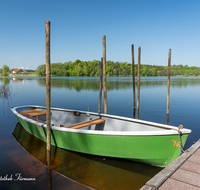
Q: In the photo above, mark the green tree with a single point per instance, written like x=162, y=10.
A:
x=41, y=70
x=153, y=71
x=24, y=72
x=92, y=68
x=145, y=71
x=5, y=70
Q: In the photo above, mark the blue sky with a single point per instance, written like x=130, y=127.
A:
x=77, y=28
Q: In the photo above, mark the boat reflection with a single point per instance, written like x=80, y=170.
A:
x=94, y=171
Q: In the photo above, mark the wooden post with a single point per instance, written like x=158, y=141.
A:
x=168, y=85
x=133, y=68
x=100, y=86
x=104, y=74
x=48, y=84
x=138, y=82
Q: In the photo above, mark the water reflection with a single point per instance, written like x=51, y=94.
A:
x=113, y=83
x=5, y=93
x=6, y=81
x=49, y=170
x=18, y=80
x=116, y=83
x=92, y=171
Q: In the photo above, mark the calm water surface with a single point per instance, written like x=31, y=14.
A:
x=24, y=155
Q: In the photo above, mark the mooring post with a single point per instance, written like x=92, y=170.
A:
x=100, y=85
x=48, y=84
x=168, y=85
x=133, y=68
x=138, y=82
x=104, y=74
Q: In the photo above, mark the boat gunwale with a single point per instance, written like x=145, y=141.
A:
x=167, y=129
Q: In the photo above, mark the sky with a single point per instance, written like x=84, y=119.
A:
x=77, y=27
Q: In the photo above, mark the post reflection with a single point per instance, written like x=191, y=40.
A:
x=133, y=113
x=48, y=152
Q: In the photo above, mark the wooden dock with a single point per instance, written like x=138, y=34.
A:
x=183, y=173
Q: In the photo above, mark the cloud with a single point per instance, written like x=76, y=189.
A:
x=15, y=58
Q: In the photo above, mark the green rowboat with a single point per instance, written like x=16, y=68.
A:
x=105, y=135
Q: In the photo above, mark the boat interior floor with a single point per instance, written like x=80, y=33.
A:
x=32, y=114
x=85, y=121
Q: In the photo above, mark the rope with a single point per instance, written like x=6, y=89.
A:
x=179, y=137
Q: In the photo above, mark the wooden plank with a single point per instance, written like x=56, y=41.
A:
x=146, y=187
x=38, y=113
x=33, y=112
x=85, y=123
x=30, y=117
x=27, y=111
x=89, y=123
x=72, y=125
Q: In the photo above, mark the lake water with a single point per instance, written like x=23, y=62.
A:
x=23, y=155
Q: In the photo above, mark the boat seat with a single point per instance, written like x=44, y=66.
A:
x=85, y=123
x=30, y=117
x=33, y=112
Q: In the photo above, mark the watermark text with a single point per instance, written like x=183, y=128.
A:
x=16, y=177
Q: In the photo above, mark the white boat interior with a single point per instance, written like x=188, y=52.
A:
x=89, y=121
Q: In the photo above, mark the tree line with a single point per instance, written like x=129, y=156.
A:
x=5, y=70
x=92, y=68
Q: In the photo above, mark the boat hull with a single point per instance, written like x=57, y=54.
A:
x=159, y=150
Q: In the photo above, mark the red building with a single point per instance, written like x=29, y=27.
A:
x=14, y=70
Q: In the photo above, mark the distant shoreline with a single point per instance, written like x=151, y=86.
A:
x=23, y=75
x=35, y=75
